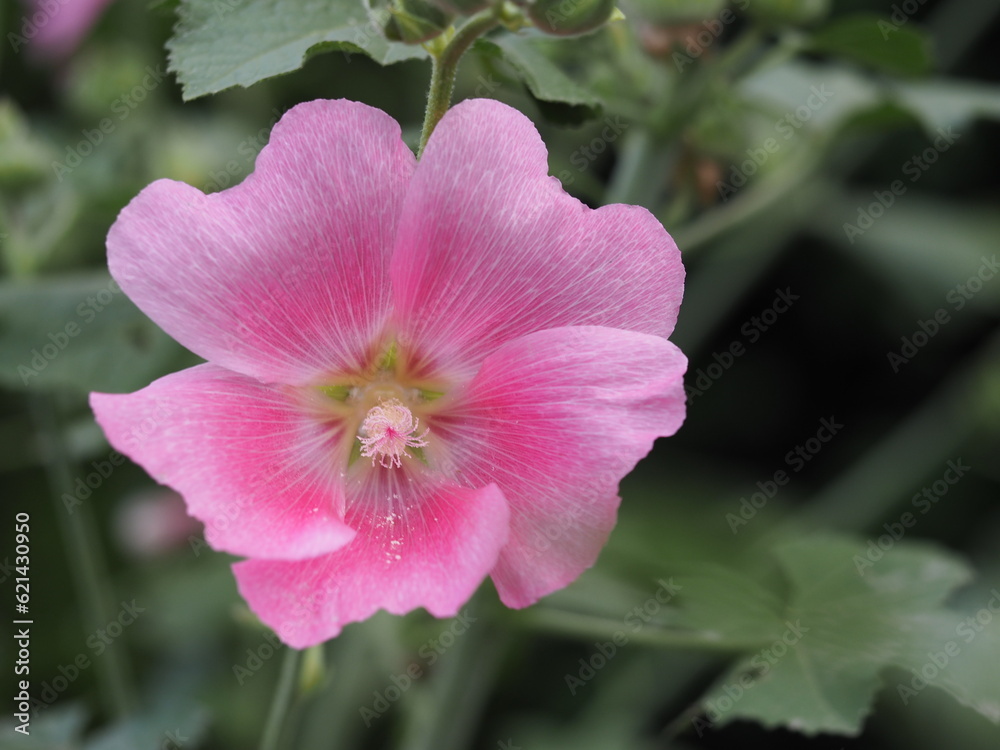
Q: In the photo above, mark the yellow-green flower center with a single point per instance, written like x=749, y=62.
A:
x=384, y=411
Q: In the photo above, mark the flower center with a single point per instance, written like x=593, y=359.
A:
x=388, y=430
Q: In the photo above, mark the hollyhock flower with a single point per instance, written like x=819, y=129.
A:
x=418, y=376
x=62, y=24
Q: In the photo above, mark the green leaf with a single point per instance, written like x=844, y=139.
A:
x=875, y=42
x=810, y=96
x=911, y=234
x=224, y=43
x=949, y=103
x=152, y=729
x=854, y=612
x=36, y=229
x=733, y=607
x=79, y=332
x=704, y=606
x=526, y=54
x=24, y=158
x=961, y=659
x=832, y=96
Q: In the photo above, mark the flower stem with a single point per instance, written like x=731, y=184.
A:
x=282, y=700
x=444, y=713
x=444, y=66
x=640, y=171
x=86, y=558
x=594, y=626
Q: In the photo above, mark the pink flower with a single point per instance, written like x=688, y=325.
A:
x=418, y=375
x=62, y=24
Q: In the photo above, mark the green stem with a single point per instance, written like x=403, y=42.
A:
x=779, y=187
x=642, y=167
x=331, y=718
x=444, y=66
x=443, y=713
x=86, y=560
x=594, y=626
x=282, y=700
x=737, y=54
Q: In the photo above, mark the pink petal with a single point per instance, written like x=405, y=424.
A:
x=556, y=419
x=490, y=247
x=250, y=460
x=283, y=277
x=432, y=554
x=61, y=24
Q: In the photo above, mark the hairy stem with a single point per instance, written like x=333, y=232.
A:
x=444, y=66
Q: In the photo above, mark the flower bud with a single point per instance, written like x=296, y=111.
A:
x=410, y=21
x=462, y=7
x=570, y=17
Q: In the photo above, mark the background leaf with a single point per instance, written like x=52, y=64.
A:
x=78, y=332
x=854, y=611
x=874, y=41
x=224, y=43
x=544, y=79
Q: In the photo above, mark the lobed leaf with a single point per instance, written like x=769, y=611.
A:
x=852, y=614
x=223, y=43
